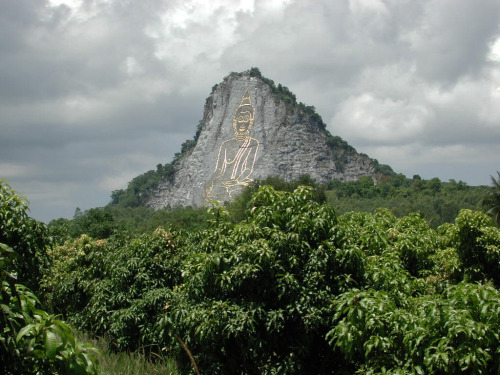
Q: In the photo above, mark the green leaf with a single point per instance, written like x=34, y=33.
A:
x=50, y=344
x=24, y=331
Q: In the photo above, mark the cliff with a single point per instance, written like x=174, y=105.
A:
x=252, y=129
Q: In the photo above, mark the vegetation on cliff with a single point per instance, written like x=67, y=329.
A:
x=137, y=192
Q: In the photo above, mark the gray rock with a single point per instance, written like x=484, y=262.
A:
x=282, y=140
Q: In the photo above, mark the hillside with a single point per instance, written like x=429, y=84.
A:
x=279, y=137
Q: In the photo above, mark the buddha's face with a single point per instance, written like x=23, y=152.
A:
x=242, y=123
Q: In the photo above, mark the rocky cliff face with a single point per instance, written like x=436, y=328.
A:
x=249, y=132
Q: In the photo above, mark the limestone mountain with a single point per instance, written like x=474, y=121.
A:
x=251, y=129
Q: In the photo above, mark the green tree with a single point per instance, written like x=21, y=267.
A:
x=294, y=288
x=116, y=286
x=238, y=208
x=491, y=203
x=31, y=340
x=256, y=295
x=455, y=332
x=478, y=247
x=438, y=202
x=26, y=236
x=95, y=222
x=434, y=185
x=60, y=230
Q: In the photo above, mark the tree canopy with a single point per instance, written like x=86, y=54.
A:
x=294, y=288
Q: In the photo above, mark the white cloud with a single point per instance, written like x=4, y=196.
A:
x=452, y=38
x=195, y=30
x=494, y=54
x=380, y=120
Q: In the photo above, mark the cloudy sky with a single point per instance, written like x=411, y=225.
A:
x=95, y=92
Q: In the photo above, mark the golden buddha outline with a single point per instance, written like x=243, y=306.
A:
x=236, y=157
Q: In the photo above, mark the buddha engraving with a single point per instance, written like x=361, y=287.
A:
x=236, y=157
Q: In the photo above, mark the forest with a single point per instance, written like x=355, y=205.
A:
x=401, y=276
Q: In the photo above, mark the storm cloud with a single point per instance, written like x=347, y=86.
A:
x=95, y=92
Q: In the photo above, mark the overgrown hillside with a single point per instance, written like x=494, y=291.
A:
x=438, y=202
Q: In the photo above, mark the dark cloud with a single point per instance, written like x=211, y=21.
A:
x=453, y=39
x=93, y=93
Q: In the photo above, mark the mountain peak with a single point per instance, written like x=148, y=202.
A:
x=253, y=129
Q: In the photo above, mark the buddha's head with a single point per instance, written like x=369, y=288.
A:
x=243, y=120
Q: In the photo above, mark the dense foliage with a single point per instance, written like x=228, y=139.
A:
x=439, y=202
x=237, y=209
x=116, y=286
x=491, y=202
x=31, y=340
x=26, y=236
x=295, y=289
x=101, y=223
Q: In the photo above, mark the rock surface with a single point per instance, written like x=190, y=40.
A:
x=282, y=140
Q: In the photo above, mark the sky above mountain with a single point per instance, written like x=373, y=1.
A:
x=96, y=92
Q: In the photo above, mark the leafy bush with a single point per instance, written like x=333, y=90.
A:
x=26, y=236
x=256, y=295
x=410, y=316
x=478, y=247
x=294, y=288
x=454, y=332
x=31, y=340
x=115, y=286
x=238, y=208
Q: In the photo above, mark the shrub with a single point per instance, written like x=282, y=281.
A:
x=256, y=295
x=27, y=237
